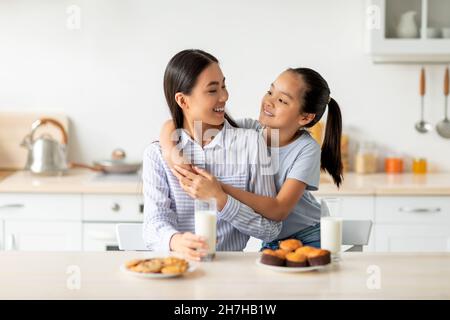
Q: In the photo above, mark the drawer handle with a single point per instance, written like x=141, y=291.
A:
x=419, y=210
x=115, y=207
x=12, y=206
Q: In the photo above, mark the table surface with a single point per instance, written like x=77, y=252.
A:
x=233, y=275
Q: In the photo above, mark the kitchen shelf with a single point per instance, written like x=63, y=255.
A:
x=387, y=44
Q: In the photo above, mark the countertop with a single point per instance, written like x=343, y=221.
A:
x=86, y=181
x=389, y=184
x=75, y=181
x=235, y=275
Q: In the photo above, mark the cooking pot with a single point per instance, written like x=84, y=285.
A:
x=117, y=164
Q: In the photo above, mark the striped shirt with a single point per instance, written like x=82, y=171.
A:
x=237, y=157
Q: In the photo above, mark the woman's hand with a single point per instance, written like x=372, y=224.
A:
x=190, y=245
x=201, y=185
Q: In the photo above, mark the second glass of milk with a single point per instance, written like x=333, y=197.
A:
x=205, y=224
x=331, y=227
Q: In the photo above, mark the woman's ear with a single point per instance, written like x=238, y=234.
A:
x=180, y=98
x=306, y=118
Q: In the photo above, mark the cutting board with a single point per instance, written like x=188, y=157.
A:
x=14, y=126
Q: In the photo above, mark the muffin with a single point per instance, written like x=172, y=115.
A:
x=319, y=257
x=290, y=244
x=281, y=253
x=306, y=250
x=273, y=257
x=296, y=260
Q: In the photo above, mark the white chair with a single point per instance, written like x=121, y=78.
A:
x=129, y=237
x=356, y=233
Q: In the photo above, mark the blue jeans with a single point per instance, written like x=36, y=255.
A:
x=309, y=236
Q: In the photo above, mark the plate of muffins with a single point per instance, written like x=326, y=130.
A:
x=292, y=256
x=168, y=267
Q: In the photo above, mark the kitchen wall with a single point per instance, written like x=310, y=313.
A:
x=107, y=74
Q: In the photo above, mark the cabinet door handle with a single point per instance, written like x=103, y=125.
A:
x=419, y=210
x=11, y=206
x=115, y=207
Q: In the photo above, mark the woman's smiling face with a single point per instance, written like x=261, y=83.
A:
x=207, y=100
x=281, y=105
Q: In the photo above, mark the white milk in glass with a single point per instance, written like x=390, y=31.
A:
x=331, y=235
x=205, y=225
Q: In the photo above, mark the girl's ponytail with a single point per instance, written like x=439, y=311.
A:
x=315, y=100
x=331, y=146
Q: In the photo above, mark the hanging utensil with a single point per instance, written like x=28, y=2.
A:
x=422, y=126
x=443, y=127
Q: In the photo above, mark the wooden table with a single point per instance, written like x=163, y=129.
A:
x=233, y=275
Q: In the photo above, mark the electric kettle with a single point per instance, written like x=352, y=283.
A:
x=46, y=156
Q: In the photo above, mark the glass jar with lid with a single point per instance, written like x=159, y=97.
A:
x=419, y=165
x=366, y=158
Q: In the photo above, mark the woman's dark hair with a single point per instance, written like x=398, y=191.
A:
x=181, y=75
x=315, y=100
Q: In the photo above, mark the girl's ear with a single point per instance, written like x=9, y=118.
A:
x=180, y=98
x=306, y=118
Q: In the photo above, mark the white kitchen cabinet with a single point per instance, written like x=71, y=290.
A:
x=99, y=237
x=31, y=221
x=418, y=224
x=26, y=206
x=384, y=43
x=423, y=210
x=120, y=208
x=43, y=235
x=412, y=238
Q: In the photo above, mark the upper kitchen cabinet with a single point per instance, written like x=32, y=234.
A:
x=409, y=31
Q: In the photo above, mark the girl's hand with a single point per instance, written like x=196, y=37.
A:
x=201, y=185
x=173, y=158
x=192, y=247
x=167, y=138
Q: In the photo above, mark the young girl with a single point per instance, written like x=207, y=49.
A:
x=295, y=101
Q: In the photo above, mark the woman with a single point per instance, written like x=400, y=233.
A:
x=195, y=92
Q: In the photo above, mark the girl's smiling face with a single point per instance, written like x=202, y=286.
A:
x=207, y=100
x=281, y=105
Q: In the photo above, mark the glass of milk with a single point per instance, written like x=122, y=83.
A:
x=205, y=224
x=331, y=227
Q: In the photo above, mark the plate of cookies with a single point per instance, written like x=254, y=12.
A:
x=292, y=256
x=168, y=267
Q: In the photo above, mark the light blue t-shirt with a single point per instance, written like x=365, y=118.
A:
x=298, y=160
